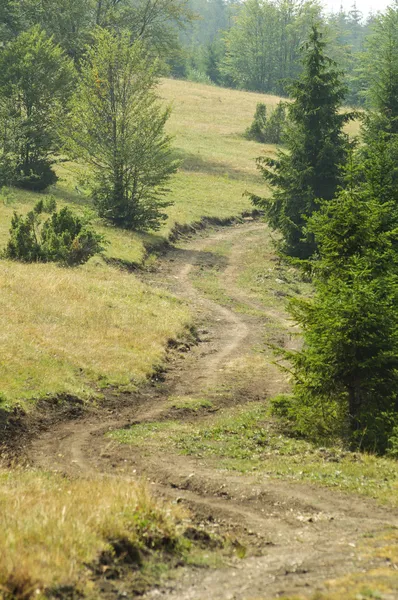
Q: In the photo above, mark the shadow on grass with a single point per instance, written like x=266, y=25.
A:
x=74, y=196
x=203, y=259
x=195, y=163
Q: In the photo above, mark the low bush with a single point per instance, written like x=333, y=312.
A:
x=63, y=237
x=268, y=131
x=256, y=130
x=36, y=176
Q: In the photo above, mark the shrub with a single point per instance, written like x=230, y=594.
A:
x=37, y=176
x=63, y=237
x=256, y=130
x=275, y=125
x=321, y=422
x=393, y=443
x=271, y=130
x=198, y=76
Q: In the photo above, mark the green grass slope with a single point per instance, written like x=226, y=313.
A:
x=79, y=330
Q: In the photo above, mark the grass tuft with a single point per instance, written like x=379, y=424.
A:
x=188, y=403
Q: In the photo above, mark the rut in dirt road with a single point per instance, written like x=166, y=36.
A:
x=301, y=534
x=64, y=448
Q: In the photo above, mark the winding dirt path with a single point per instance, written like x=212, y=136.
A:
x=298, y=535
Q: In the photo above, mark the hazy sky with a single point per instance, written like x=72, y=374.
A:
x=365, y=6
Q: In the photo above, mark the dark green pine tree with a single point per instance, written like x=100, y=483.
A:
x=346, y=374
x=310, y=168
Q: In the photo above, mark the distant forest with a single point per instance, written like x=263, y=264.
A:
x=252, y=45
x=255, y=45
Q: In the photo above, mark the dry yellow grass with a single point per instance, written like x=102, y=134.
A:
x=75, y=330
x=52, y=527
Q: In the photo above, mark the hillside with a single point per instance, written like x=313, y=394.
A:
x=147, y=461
x=56, y=322
x=217, y=168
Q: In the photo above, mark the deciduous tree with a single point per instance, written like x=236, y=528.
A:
x=35, y=81
x=117, y=128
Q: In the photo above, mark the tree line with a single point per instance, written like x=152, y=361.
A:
x=255, y=44
x=335, y=205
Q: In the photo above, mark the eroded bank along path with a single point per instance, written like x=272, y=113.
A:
x=295, y=536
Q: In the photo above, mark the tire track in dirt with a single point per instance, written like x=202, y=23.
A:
x=304, y=534
x=63, y=447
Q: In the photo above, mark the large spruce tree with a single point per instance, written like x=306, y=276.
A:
x=346, y=374
x=310, y=168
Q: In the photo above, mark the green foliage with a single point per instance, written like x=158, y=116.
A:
x=381, y=64
x=316, y=150
x=347, y=35
x=268, y=131
x=63, y=237
x=193, y=74
x=256, y=129
x=71, y=22
x=392, y=449
x=10, y=20
x=155, y=23
x=346, y=375
x=263, y=45
x=214, y=54
x=35, y=80
x=67, y=22
x=117, y=128
x=275, y=126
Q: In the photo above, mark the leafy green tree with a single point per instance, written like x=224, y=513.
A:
x=263, y=44
x=68, y=22
x=316, y=150
x=117, y=128
x=347, y=32
x=35, y=81
x=214, y=55
x=155, y=23
x=10, y=20
x=248, y=60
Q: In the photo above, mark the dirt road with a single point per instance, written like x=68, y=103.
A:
x=296, y=536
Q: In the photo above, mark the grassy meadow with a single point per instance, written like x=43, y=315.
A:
x=78, y=330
